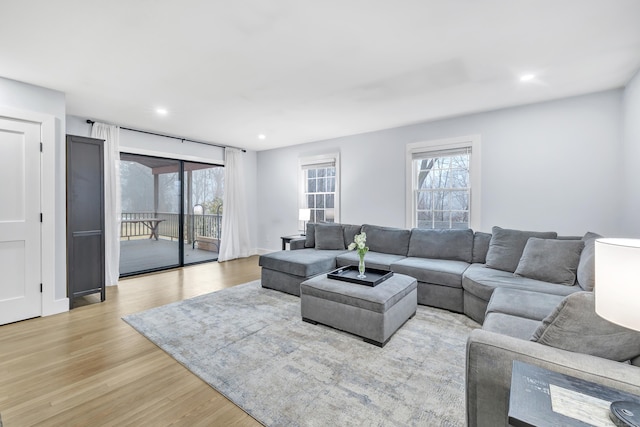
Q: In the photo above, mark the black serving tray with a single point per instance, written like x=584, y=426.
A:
x=350, y=273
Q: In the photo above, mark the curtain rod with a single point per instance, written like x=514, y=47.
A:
x=174, y=137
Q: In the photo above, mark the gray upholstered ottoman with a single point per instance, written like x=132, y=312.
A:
x=374, y=313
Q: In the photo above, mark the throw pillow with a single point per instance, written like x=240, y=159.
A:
x=587, y=265
x=506, y=247
x=574, y=326
x=329, y=237
x=310, y=241
x=550, y=260
x=455, y=245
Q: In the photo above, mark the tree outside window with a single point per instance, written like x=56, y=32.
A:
x=442, y=191
x=443, y=183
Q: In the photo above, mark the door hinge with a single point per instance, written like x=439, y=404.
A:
x=41, y=147
x=40, y=216
x=40, y=287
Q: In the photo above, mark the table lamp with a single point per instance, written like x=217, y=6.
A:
x=617, y=295
x=304, y=215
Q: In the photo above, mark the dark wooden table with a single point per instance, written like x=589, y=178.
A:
x=150, y=223
x=288, y=239
x=540, y=397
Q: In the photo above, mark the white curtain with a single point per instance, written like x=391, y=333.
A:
x=112, y=210
x=235, y=224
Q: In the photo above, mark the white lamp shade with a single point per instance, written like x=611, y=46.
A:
x=617, y=288
x=304, y=214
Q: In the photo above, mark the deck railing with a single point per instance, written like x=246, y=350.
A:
x=208, y=225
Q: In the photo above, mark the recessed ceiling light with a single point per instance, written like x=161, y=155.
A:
x=262, y=136
x=162, y=111
x=527, y=77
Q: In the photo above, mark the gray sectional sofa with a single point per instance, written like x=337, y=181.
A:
x=457, y=270
x=531, y=291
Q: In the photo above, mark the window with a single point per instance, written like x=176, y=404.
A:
x=443, y=183
x=320, y=187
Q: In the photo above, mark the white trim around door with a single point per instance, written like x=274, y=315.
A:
x=52, y=265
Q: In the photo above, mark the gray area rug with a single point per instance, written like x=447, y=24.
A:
x=251, y=345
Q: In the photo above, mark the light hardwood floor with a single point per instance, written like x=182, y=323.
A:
x=88, y=367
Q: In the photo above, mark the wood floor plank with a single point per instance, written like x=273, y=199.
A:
x=88, y=367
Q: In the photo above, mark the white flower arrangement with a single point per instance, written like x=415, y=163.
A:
x=359, y=243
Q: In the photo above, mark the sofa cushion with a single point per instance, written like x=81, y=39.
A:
x=480, y=246
x=329, y=237
x=520, y=303
x=454, y=245
x=587, y=266
x=435, y=271
x=302, y=262
x=387, y=240
x=550, y=260
x=350, y=232
x=310, y=241
x=507, y=324
x=575, y=326
x=506, y=247
x=480, y=281
x=371, y=260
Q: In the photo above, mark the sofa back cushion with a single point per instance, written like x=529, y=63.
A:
x=350, y=232
x=550, y=260
x=456, y=245
x=506, y=247
x=574, y=326
x=310, y=241
x=387, y=240
x=329, y=236
x=480, y=246
x=587, y=265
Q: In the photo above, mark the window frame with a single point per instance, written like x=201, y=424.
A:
x=470, y=141
x=318, y=160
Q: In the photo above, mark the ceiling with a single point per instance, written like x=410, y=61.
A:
x=303, y=70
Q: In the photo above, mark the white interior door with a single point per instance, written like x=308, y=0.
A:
x=20, y=296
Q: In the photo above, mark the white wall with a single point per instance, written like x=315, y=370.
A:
x=547, y=166
x=631, y=156
x=35, y=99
x=77, y=126
x=152, y=145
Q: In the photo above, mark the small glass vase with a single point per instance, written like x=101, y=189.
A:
x=361, y=268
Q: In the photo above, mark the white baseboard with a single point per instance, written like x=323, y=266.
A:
x=55, y=307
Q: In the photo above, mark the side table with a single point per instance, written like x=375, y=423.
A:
x=288, y=239
x=540, y=397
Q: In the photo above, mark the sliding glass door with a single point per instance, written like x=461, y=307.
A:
x=170, y=213
x=204, y=186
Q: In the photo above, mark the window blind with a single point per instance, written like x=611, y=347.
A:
x=320, y=163
x=430, y=154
